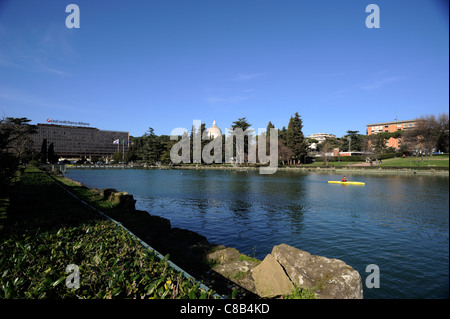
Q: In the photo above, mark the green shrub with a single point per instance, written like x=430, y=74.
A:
x=34, y=163
x=47, y=230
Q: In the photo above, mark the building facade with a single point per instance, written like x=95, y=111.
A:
x=391, y=127
x=79, y=141
x=320, y=137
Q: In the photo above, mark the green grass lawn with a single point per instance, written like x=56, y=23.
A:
x=441, y=161
x=428, y=161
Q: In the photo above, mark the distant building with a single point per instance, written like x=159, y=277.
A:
x=78, y=141
x=320, y=137
x=214, y=131
x=390, y=127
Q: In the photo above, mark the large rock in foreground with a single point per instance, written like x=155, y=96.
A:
x=328, y=278
x=270, y=279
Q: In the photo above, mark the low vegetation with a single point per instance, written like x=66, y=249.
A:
x=44, y=230
x=301, y=293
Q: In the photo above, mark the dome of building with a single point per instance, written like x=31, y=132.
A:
x=214, y=131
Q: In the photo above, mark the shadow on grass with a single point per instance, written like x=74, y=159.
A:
x=36, y=204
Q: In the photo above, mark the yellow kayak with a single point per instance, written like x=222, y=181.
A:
x=351, y=183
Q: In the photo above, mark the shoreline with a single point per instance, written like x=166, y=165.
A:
x=378, y=170
x=224, y=269
x=337, y=170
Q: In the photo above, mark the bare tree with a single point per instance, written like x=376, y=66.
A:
x=443, y=139
x=284, y=152
x=429, y=134
x=325, y=149
x=372, y=146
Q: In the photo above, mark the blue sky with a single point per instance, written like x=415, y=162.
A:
x=162, y=64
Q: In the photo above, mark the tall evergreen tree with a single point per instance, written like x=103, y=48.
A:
x=244, y=125
x=15, y=144
x=152, y=147
x=267, y=136
x=44, y=151
x=295, y=139
x=52, y=158
x=269, y=126
x=282, y=135
x=355, y=141
x=197, y=146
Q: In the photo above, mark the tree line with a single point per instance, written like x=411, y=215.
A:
x=430, y=134
x=153, y=149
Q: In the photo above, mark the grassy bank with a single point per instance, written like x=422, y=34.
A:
x=431, y=162
x=43, y=230
x=440, y=162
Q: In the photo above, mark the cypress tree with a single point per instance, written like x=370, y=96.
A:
x=51, y=153
x=269, y=126
x=44, y=151
x=244, y=125
x=295, y=139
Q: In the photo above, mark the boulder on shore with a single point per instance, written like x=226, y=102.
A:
x=125, y=200
x=328, y=278
x=225, y=254
x=106, y=192
x=270, y=279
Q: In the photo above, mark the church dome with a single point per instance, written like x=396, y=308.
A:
x=214, y=131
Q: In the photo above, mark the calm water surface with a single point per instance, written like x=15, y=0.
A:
x=399, y=223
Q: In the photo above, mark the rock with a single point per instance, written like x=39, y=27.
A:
x=147, y=226
x=328, y=278
x=224, y=255
x=239, y=272
x=116, y=196
x=231, y=265
x=270, y=279
x=106, y=192
x=125, y=200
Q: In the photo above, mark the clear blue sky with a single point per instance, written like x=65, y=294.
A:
x=162, y=64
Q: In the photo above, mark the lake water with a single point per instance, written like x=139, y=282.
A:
x=399, y=223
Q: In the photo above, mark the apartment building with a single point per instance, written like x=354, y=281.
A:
x=391, y=127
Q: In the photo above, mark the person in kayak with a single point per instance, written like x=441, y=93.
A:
x=344, y=179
